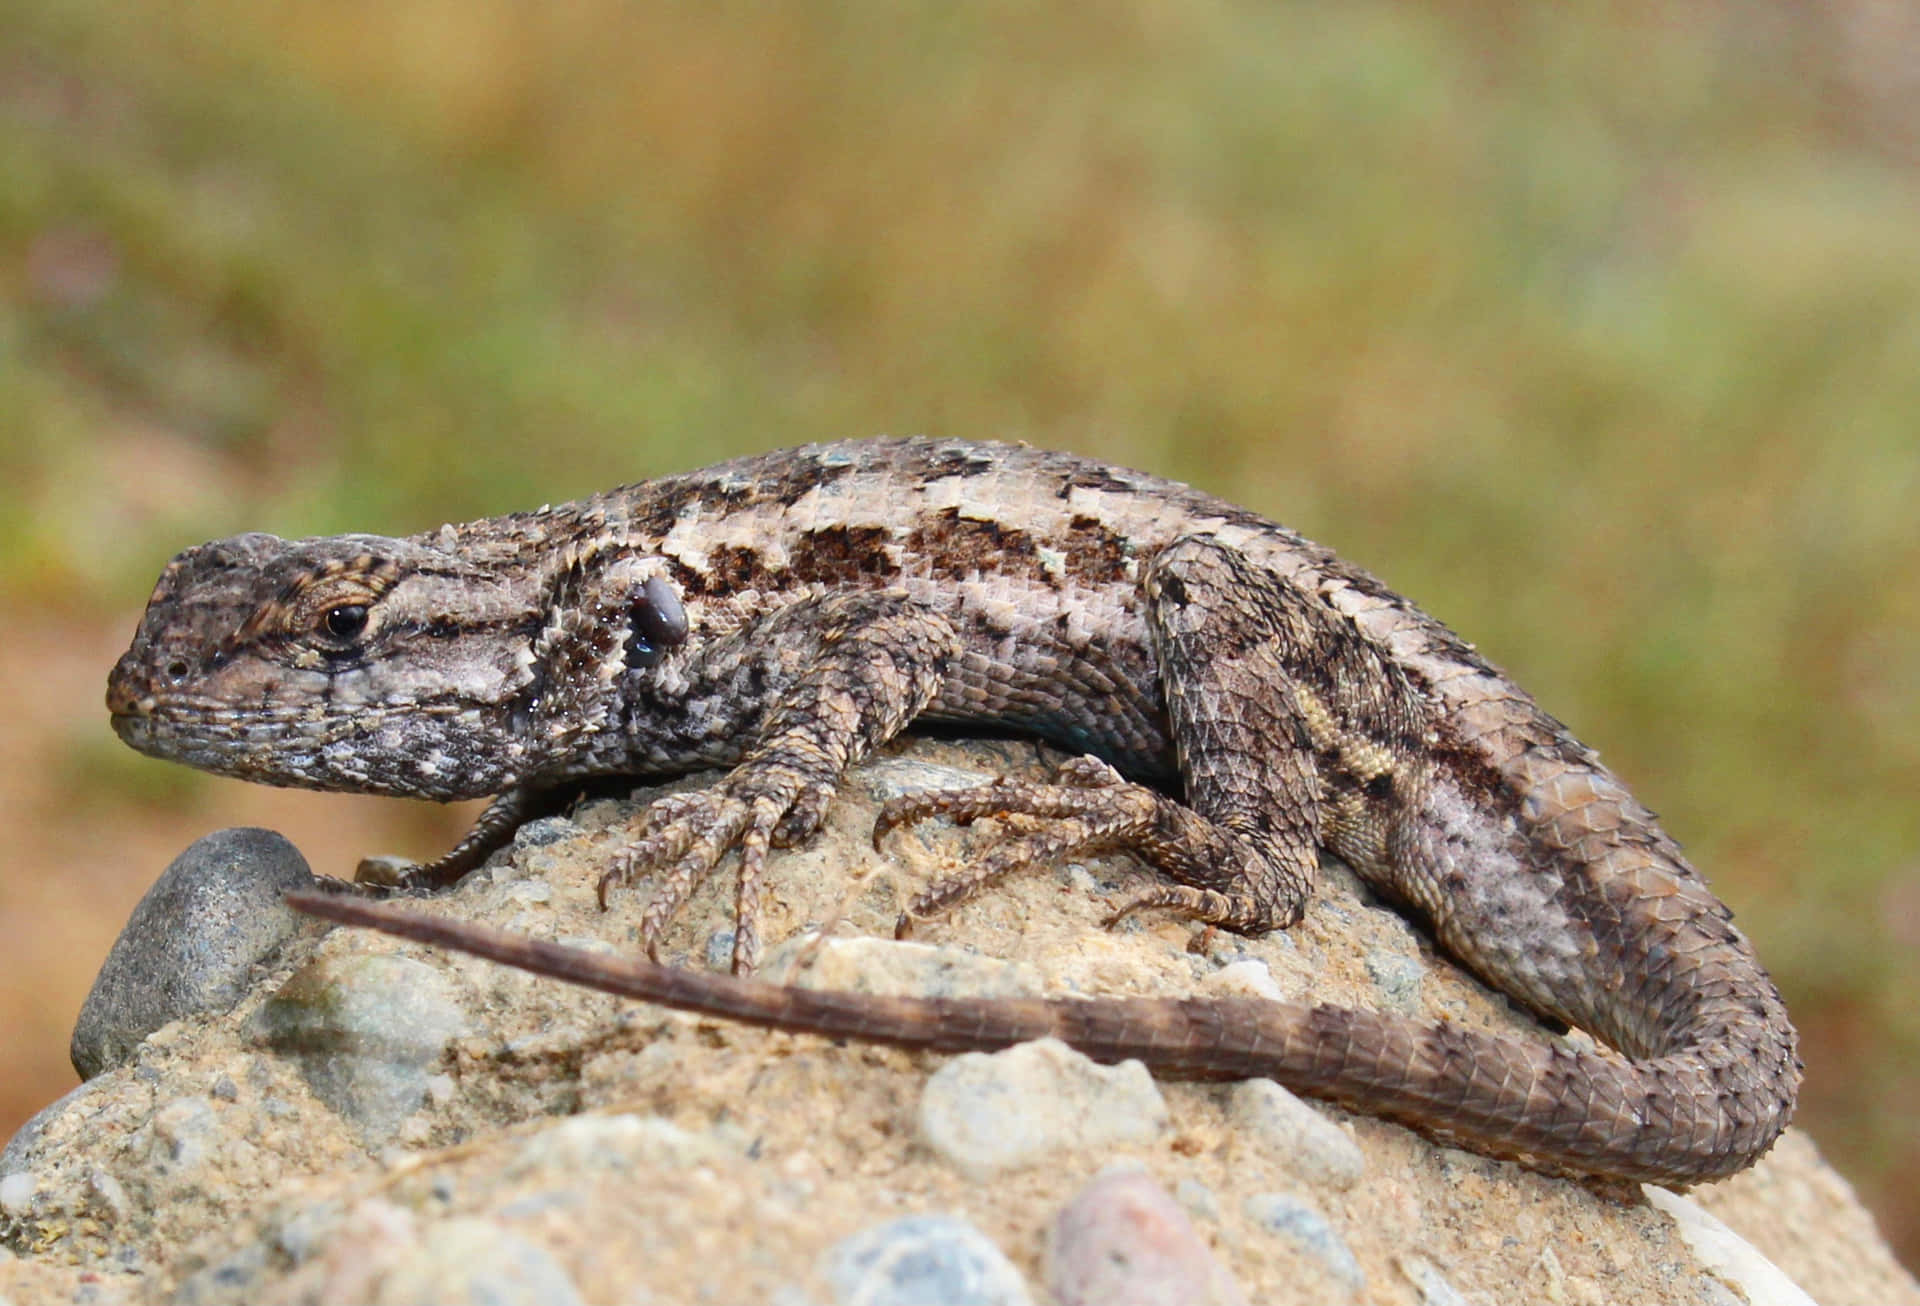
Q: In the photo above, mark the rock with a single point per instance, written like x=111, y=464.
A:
x=1243, y=979
x=364, y=1031
x=1123, y=1242
x=208, y=923
x=1396, y=977
x=866, y=965
x=1727, y=1254
x=369, y=1116
x=923, y=1260
x=1281, y=1130
x=615, y=1142
x=14, y=1157
x=17, y=1191
x=1427, y=1280
x=989, y=1112
x=458, y=1262
x=1308, y=1232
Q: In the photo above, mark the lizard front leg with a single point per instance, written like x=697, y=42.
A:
x=822, y=682
x=491, y=832
x=1252, y=671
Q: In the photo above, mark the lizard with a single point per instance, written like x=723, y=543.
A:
x=1240, y=698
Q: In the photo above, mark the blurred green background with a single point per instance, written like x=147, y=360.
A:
x=1596, y=329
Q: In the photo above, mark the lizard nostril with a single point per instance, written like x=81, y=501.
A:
x=177, y=670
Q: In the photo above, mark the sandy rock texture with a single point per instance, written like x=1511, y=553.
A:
x=370, y=1121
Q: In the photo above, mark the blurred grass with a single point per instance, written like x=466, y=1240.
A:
x=1593, y=328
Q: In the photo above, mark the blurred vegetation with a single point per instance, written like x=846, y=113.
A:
x=1594, y=328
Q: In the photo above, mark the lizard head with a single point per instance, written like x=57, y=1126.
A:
x=354, y=662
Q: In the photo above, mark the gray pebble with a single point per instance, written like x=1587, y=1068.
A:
x=544, y=831
x=895, y=777
x=1123, y=1242
x=17, y=1192
x=192, y=943
x=1308, y=1231
x=365, y=1030
x=922, y=1260
x=1398, y=978
x=1197, y=1198
x=18, y=1153
x=1426, y=1278
x=869, y=965
x=989, y=1112
x=181, y=1136
x=614, y=1142
x=1267, y=1117
x=237, y=1278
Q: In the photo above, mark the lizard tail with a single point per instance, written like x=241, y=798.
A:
x=1679, y=1118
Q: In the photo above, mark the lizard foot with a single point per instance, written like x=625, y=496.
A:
x=1090, y=807
x=681, y=837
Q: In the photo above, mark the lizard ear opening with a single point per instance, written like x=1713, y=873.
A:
x=658, y=622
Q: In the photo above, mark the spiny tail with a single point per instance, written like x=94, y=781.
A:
x=1547, y=1105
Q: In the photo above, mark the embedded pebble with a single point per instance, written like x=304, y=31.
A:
x=1308, y=1232
x=1265, y=1116
x=1398, y=979
x=18, y=1153
x=1726, y=1253
x=869, y=965
x=181, y=1137
x=895, y=777
x=365, y=1030
x=1247, y=978
x=192, y=943
x=922, y=1260
x=989, y=1112
x=1427, y=1280
x=463, y=1261
x=17, y=1192
x=1198, y=1198
x=545, y=830
x=1122, y=1241
x=617, y=1142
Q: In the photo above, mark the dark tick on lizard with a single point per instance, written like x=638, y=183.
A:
x=783, y=615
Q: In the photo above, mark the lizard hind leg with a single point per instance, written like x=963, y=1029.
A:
x=1087, y=807
x=1240, y=654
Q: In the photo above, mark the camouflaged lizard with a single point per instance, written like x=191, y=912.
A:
x=783, y=615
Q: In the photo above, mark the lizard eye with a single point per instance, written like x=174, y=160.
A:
x=346, y=621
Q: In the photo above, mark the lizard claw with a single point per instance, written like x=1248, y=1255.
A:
x=1087, y=805
x=679, y=839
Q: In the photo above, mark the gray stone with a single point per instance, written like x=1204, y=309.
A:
x=1398, y=979
x=614, y=1142
x=365, y=1030
x=1288, y=1131
x=1309, y=1233
x=1122, y=1241
x=17, y=1192
x=922, y=1260
x=18, y=1153
x=1725, y=1252
x=193, y=942
x=237, y=1278
x=1245, y=978
x=990, y=1112
x=869, y=965
x=1427, y=1280
x=544, y=831
x=895, y=777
